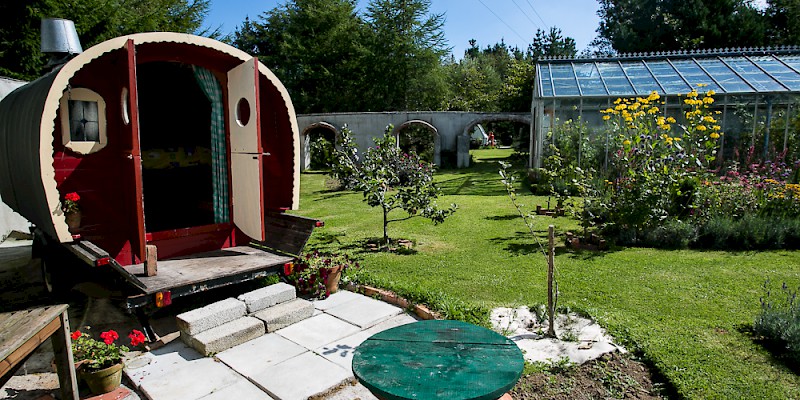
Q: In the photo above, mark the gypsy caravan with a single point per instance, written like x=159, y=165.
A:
x=164, y=145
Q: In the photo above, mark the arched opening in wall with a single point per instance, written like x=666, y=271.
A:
x=510, y=131
x=320, y=145
x=418, y=137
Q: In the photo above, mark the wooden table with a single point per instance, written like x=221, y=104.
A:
x=21, y=332
x=438, y=359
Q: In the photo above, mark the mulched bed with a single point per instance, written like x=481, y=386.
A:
x=613, y=376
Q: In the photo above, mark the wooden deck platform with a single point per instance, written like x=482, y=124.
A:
x=205, y=268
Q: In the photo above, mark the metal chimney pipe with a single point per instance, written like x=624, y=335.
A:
x=59, y=36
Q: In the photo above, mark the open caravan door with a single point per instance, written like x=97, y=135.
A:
x=247, y=155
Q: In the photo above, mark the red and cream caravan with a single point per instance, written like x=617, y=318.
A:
x=170, y=140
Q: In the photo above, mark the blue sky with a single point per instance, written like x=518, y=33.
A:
x=487, y=21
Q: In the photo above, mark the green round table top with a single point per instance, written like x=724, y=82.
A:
x=438, y=359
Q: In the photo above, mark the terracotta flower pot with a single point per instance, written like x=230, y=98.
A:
x=74, y=222
x=332, y=279
x=104, y=380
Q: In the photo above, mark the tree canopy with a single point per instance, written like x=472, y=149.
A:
x=95, y=21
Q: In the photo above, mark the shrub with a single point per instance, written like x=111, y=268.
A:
x=672, y=234
x=779, y=321
x=751, y=232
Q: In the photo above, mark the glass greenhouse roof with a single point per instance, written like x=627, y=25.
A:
x=741, y=72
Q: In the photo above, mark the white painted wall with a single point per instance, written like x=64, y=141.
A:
x=9, y=220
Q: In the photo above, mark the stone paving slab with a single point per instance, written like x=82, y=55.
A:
x=341, y=351
x=259, y=354
x=364, y=311
x=191, y=381
x=318, y=331
x=352, y=391
x=336, y=299
x=210, y=316
x=160, y=362
x=243, y=390
x=260, y=299
x=282, y=315
x=300, y=377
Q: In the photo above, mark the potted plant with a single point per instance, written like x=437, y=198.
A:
x=319, y=273
x=99, y=363
x=72, y=211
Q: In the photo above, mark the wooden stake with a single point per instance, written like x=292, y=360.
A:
x=151, y=260
x=551, y=309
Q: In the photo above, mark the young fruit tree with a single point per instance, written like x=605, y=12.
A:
x=389, y=179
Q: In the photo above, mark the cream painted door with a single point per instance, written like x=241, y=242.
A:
x=246, y=151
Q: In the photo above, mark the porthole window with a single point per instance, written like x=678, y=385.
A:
x=83, y=120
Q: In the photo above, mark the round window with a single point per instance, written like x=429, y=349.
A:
x=242, y=112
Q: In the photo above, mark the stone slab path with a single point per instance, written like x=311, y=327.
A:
x=308, y=358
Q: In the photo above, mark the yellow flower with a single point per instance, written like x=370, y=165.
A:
x=653, y=96
x=701, y=128
x=660, y=120
x=671, y=120
x=617, y=101
x=626, y=142
x=628, y=119
x=710, y=93
x=669, y=141
x=714, y=135
x=716, y=127
x=664, y=127
x=702, y=84
x=709, y=118
x=677, y=139
x=692, y=94
x=708, y=100
x=606, y=117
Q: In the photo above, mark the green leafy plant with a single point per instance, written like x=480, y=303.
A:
x=390, y=179
x=70, y=203
x=95, y=354
x=779, y=320
x=311, y=271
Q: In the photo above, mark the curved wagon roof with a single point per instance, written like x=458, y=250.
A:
x=28, y=118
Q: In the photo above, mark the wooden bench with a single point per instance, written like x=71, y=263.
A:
x=21, y=332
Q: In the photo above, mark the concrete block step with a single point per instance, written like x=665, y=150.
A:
x=260, y=299
x=284, y=314
x=226, y=335
x=211, y=316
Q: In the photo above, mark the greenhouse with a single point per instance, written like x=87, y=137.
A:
x=754, y=92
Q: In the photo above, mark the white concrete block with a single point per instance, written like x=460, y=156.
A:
x=226, y=336
x=260, y=299
x=336, y=299
x=243, y=390
x=210, y=316
x=285, y=314
x=191, y=381
x=159, y=362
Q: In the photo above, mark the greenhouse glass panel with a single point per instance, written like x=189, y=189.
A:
x=615, y=79
x=779, y=71
x=668, y=78
x=756, y=77
x=544, y=79
x=729, y=81
x=641, y=78
x=695, y=75
x=589, y=79
x=792, y=61
x=564, y=83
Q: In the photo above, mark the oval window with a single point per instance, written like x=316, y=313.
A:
x=242, y=112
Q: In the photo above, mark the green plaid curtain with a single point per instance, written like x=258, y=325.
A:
x=219, y=161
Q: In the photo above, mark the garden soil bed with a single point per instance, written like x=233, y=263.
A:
x=614, y=375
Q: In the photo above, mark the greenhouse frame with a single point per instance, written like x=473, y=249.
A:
x=755, y=89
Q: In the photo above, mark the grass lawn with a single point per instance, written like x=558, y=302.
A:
x=687, y=312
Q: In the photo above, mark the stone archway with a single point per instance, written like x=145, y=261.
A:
x=437, y=145
x=305, y=145
x=523, y=119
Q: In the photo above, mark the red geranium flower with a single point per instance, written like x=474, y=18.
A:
x=72, y=196
x=109, y=336
x=137, y=337
x=75, y=335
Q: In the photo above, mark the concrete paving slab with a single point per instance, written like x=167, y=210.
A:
x=300, y=377
x=191, y=381
x=318, y=331
x=159, y=362
x=350, y=391
x=336, y=299
x=259, y=354
x=364, y=311
x=243, y=390
x=341, y=351
x=282, y=315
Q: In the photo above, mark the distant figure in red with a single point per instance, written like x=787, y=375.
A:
x=491, y=139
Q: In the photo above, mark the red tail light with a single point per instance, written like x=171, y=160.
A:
x=102, y=261
x=320, y=224
x=288, y=268
x=163, y=299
